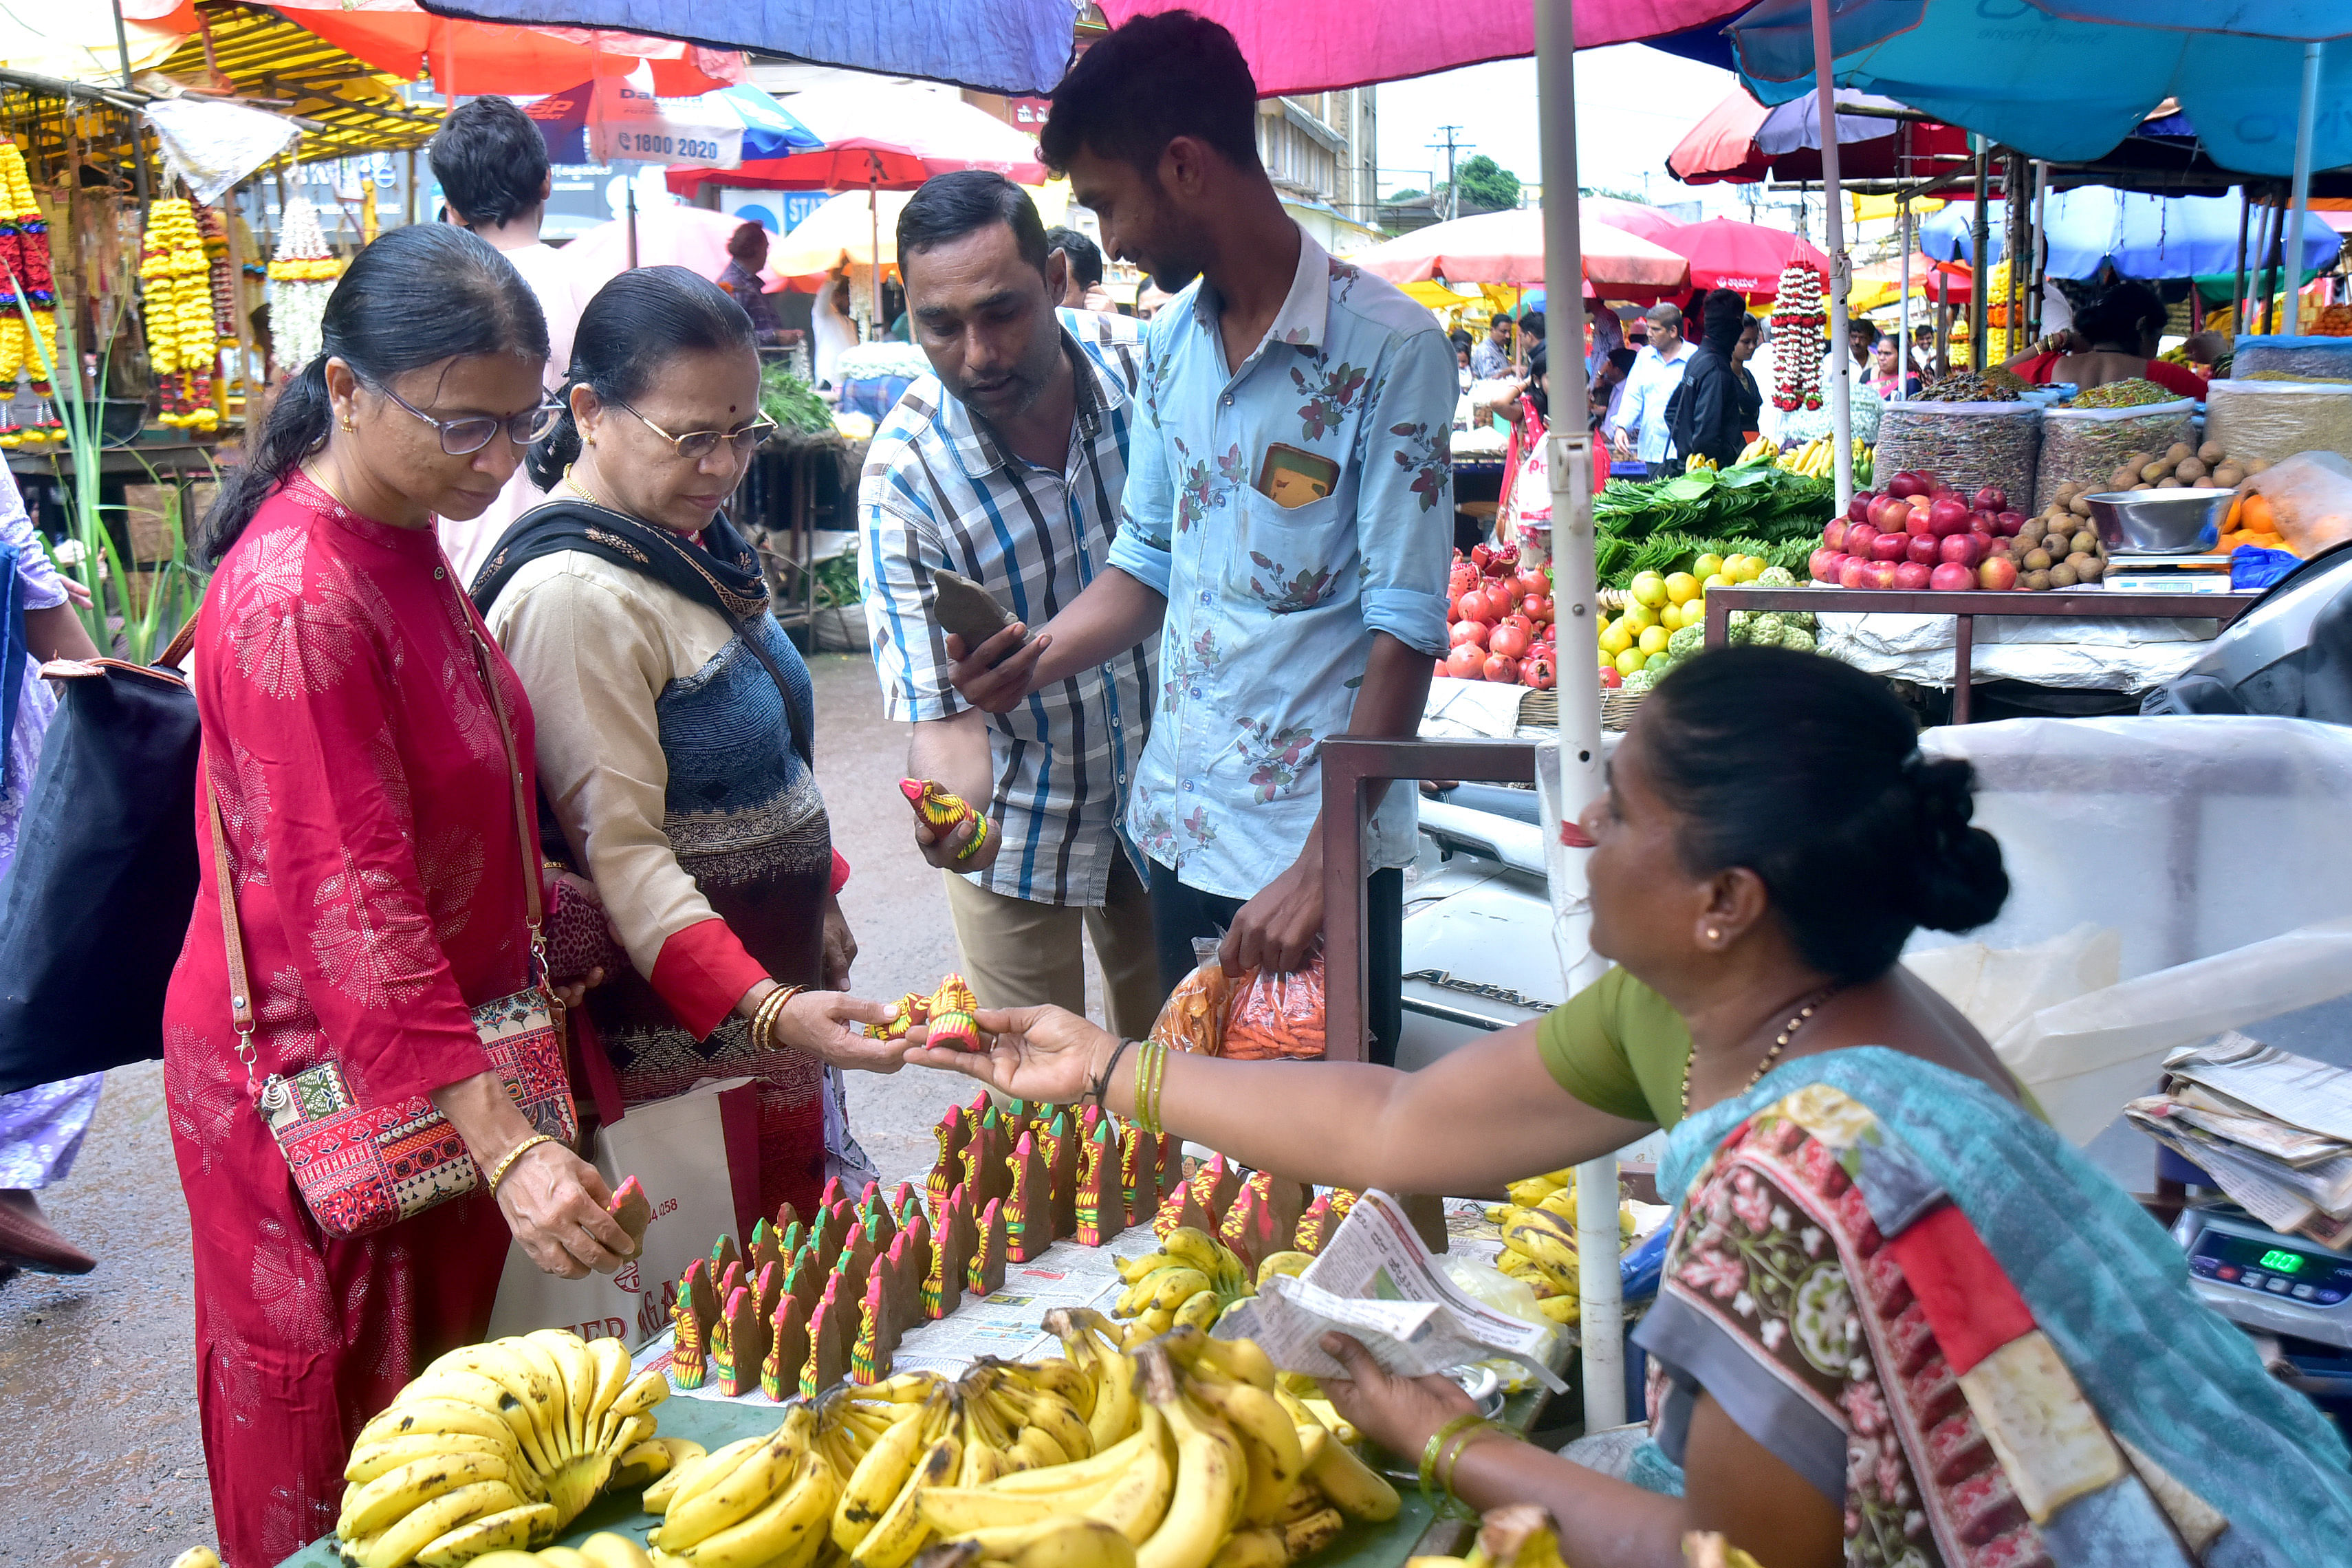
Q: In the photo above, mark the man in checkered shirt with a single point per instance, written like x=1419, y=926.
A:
x=1006, y=467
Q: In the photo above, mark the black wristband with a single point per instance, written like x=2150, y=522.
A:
x=1101, y=1084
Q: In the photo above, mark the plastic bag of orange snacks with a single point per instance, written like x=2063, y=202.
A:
x=1253, y=1016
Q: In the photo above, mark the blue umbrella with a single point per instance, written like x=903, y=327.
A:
x=2068, y=87
x=768, y=131
x=1018, y=47
x=2138, y=235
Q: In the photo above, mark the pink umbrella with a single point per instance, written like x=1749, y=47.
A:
x=691, y=238
x=1642, y=221
x=1324, y=48
x=893, y=138
x=1508, y=248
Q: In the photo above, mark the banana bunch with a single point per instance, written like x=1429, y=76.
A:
x=762, y=1502
x=497, y=1446
x=1760, y=450
x=1223, y=1469
x=1517, y=1535
x=602, y=1549
x=1816, y=459
x=1538, y=1226
x=1188, y=1283
x=1698, y=460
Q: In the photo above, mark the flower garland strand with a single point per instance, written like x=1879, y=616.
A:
x=301, y=276
x=1797, y=339
x=183, y=344
x=27, y=289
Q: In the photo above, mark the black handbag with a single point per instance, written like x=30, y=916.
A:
x=95, y=906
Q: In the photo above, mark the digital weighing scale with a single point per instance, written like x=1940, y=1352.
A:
x=2254, y=1276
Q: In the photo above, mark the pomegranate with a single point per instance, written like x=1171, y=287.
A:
x=1479, y=555
x=1474, y=605
x=1537, y=671
x=1507, y=641
x=1910, y=576
x=1538, y=607
x=1502, y=669
x=1951, y=577
x=1533, y=584
x=1992, y=498
x=1997, y=572
x=1466, y=662
x=1609, y=679
x=1889, y=546
x=1466, y=634
x=1968, y=549
x=1924, y=548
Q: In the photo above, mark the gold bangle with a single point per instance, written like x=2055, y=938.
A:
x=771, y=1007
x=517, y=1152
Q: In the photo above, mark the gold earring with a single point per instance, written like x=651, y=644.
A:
x=1713, y=933
x=347, y=421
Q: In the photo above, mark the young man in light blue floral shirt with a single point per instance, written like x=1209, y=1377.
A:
x=1288, y=516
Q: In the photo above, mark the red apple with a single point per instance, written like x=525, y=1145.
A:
x=1951, y=577
x=1508, y=641
x=1968, y=549
x=2007, y=524
x=1889, y=546
x=1466, y=662
x=1905, y=483
x=1888, y=512
x=1466, y=634
x=1947, y=514
x=1835, y=535
x=1822, y=565
x=1858, y=509
x=1924, y=548
x=1981, y=524
x=1851, y=572
x=1885, y=574
x=1910, y=576
x=1997, y=572
x=1538, y=671
x=1502, y=669
x=1858, y=536
x=1992, y=498
x=1914, y=522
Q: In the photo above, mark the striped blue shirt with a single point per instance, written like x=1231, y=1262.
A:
x=939, y=491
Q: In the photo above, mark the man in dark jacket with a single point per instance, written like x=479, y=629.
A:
x=1708, y=414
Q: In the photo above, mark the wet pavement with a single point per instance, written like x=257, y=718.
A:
x=105, y=1465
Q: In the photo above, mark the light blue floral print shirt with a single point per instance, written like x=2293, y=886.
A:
x=1344, y=410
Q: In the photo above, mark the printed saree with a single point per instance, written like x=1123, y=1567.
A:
x=1940, y=1315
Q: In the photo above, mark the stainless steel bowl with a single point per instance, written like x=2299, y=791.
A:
x=2158, y=522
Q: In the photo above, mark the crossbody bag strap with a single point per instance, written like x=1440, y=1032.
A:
x=240, y=990
x=534, y=908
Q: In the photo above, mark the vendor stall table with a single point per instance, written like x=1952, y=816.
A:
x=2096, y=604
x=1008, y=1323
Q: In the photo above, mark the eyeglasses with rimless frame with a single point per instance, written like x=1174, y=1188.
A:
x=696, y=445
x=465, y=436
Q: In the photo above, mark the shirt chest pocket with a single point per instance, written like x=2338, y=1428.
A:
x=1289, y=559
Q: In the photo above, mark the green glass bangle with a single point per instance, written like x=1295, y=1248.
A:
x=1436, y=1447
x=1449, y=1463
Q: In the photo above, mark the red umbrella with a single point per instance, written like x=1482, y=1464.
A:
x=1724, y=253
x=1743, y=141
x=1641, y=221
x=398, y=37
x=891, y=138
x=1508, y=248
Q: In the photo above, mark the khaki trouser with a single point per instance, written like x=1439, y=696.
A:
x=1018, y=954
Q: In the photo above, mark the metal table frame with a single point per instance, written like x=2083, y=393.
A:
x=2058, y=603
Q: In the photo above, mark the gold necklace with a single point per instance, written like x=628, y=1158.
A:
x=1804, y=1015
x=584, y=492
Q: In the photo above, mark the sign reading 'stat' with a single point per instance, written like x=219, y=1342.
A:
x=630, y=124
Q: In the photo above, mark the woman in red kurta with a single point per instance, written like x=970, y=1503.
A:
x=362, y=785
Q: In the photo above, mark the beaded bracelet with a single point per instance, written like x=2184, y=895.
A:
x=1436, y=1448
x=517, y=1152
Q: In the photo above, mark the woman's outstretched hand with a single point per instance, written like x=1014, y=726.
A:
x=1399, y=1414
x=1031, y=1053
x=820, y=1023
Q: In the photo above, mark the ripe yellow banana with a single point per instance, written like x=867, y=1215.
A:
x=1209, y=1478
x=403, y=1538
x=1056, y=1543
x=1198, y=1311
x=686, y=1480
x=389, y=1454
x=1253, y=1548
x=607, y=1550
x=1237, y=1360
x=1532, y=1191
x=1114, y=1415
x=197, y=1557
x=787, y=1532
x=509, y=1529
x=881, y=1475
x=409, y=1417
x=1269, y=1443
x=1353, y=1486
x=1083, y=1477
x=1138, y=1500
x=369, y=1509
x=754, y=1482
x=900, y=1532
x=1313, y=1533
x=1066, y=1380
x=550, y=1407
x=1274, y=1263
x=579, y=1377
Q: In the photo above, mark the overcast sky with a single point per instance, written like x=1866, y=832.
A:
x=1632, y=104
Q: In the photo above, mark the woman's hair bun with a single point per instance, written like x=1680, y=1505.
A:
x=1962, y=883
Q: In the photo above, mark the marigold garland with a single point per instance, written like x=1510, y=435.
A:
x=183, y=336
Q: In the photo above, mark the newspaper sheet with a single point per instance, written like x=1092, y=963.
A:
x=2274, y=1083
x=1375, y=1282
x=2241, y=1123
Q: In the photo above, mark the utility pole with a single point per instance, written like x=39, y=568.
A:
x=1453, y=195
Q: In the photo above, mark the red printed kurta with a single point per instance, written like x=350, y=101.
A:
x=362, y=786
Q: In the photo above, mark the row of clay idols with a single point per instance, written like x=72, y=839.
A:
x=802, y=1306
x=1059, y=1174
x=1256, y=1217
